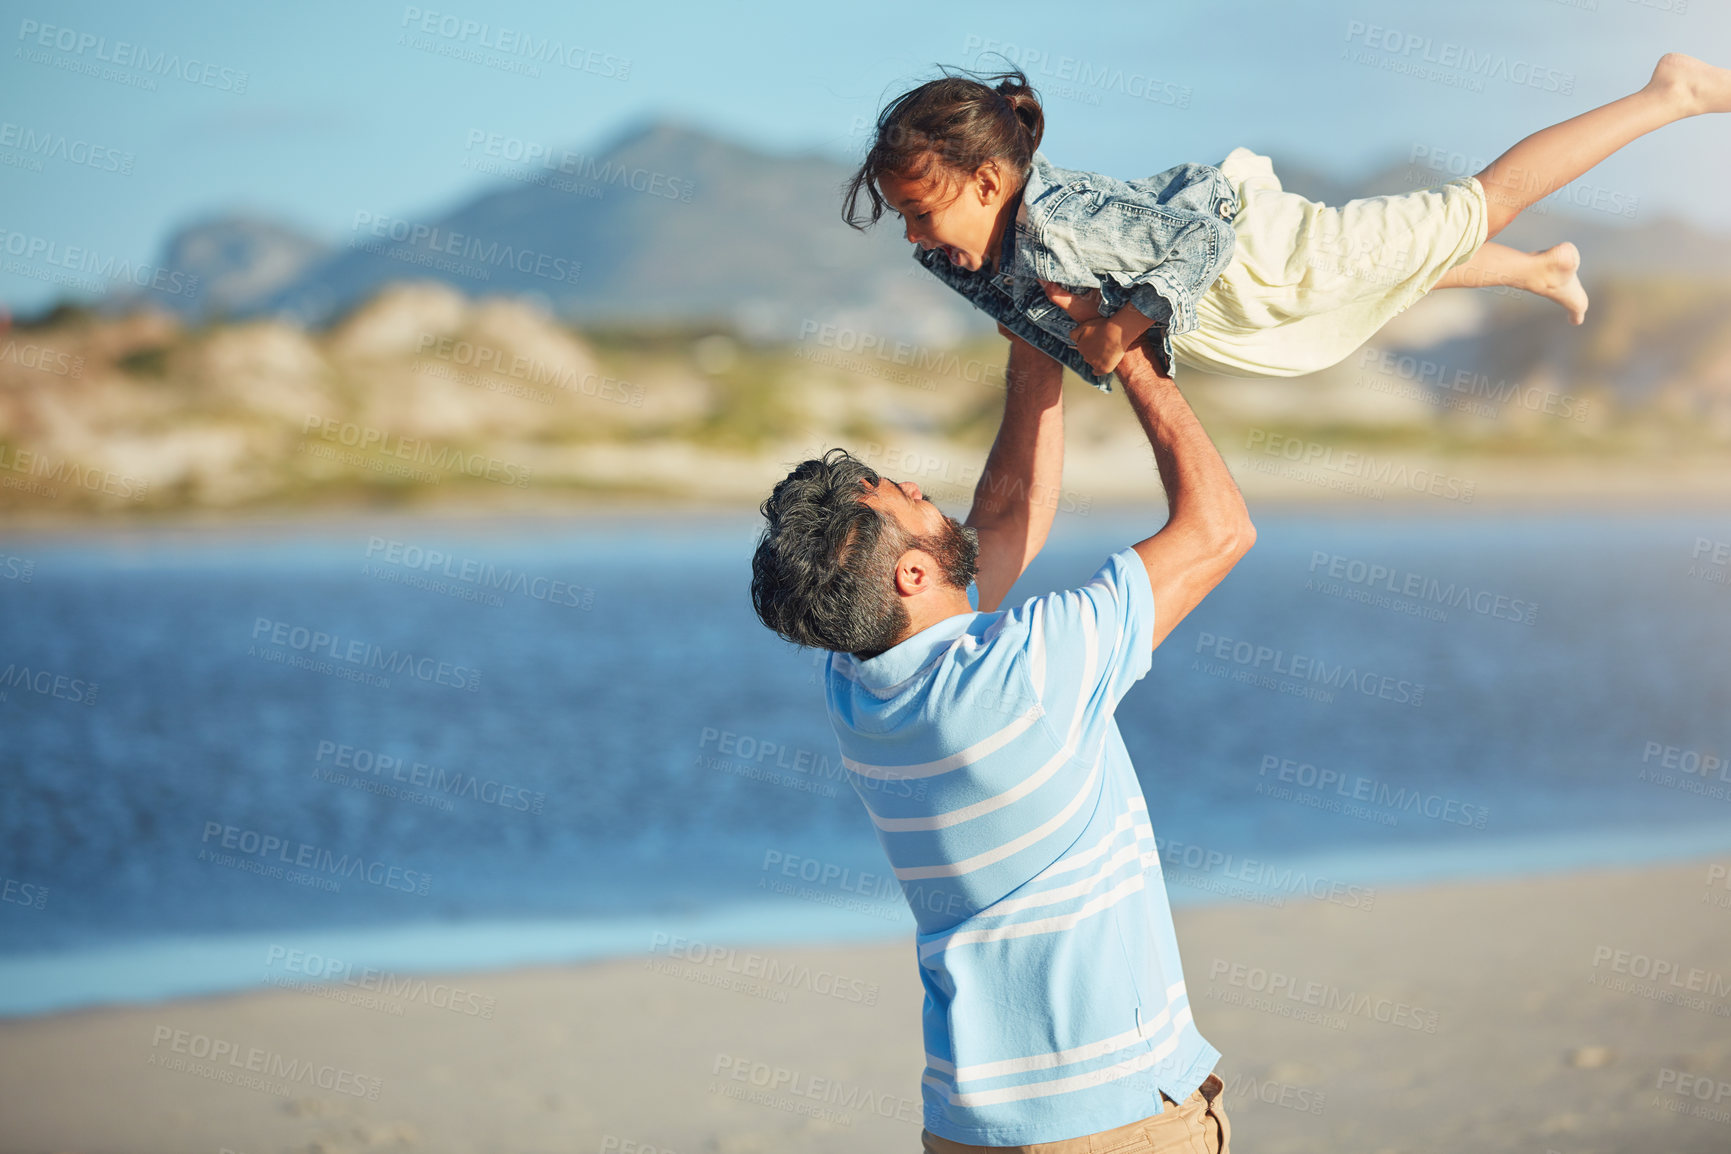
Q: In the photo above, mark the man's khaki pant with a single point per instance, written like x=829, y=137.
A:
x=1196, y=1125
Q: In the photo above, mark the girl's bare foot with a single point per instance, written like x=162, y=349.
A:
x=1559, y=279
x=1693, y=85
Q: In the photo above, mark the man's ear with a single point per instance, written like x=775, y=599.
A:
x=916, y=571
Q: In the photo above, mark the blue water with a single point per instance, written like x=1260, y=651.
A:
x=650, y=761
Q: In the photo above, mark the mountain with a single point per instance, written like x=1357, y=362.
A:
x=667, y=225
x=240, y=262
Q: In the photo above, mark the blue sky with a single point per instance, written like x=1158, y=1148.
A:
x=343, y=108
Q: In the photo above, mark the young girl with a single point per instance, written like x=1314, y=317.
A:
x=1237, y=275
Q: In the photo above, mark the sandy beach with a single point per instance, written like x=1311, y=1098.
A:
x=1582, y=1013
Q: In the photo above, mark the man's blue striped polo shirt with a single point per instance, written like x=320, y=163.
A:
x=1055, y=1002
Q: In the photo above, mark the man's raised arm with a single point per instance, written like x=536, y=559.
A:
x=1016, y=497
x=1207, y=525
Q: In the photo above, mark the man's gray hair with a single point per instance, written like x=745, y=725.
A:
x=823, y=573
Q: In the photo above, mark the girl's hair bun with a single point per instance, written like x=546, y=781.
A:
x=1026, y=106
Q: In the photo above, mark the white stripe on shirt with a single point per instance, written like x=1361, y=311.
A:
x=1014, y=845
x=1029, y=929
x=1065, y=1085
x=1077, y=861
x=1074, y=889
x=968, y=756
x=1074, y=1054
x=979, y=808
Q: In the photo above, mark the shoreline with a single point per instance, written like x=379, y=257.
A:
x=503, y=520
x=195, y=965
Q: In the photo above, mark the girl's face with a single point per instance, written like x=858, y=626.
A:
x=963, y=216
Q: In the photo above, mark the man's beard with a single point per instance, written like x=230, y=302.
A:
x=956, y=548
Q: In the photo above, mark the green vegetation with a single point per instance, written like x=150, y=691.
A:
x=150, y=362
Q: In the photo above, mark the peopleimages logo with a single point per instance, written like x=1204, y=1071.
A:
x=765, y=968
x=1373, y=577
x=23, y=893
x=922, y=362
x=42, y=144
x=324, y=970
x=594, y=171
x=1303, y=668
x=81, y=260
x=1265, y=875
x=1472, y=384
x=438, y=240
x=365, y=438
x=67, y=472
x=1371, y=791
x=363, y=654
x=490, y=359
x=515, y=43
x=762, y=759
x=1324, y=996
x=1363, y=472
x=42, y=359
x=87, y=46
x=253, y=1067
x=48, y=683
x=1429, y=58
x=1673, y=974
x=483, y=574
x=369, y=763
x=258, y=846
x=1071, y=76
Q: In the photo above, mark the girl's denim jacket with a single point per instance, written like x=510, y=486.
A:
x=1156, y=243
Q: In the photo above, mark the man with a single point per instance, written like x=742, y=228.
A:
x=1055, y=1016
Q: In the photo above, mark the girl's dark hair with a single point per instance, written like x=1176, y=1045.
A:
x=955, y=123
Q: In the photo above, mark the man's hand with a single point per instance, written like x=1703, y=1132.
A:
x=1102, y=341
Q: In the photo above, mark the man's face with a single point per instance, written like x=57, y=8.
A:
x=954, y=546
x=953, y=213
x=903, y=502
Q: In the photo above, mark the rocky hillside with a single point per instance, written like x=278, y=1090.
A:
x=423, y=396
